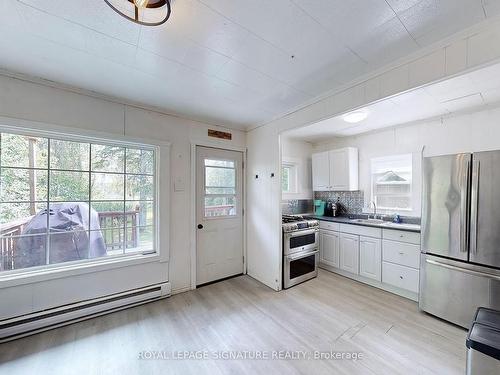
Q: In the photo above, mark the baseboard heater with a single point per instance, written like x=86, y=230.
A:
x=30, y=324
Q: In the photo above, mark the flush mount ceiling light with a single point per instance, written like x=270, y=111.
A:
x=143, y=12
x=355, y=117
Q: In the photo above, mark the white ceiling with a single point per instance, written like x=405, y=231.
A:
x=473, y=90
x=224, y=61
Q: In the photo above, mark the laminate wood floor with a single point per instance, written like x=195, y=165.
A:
x=329, y=313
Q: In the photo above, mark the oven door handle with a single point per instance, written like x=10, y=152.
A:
x=301, y=255
x=301, y=233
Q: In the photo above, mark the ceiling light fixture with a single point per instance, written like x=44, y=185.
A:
x=143, y=12
x=355, y=117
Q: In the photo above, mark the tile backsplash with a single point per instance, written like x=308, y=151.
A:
x=297, y=206
x=353, y=201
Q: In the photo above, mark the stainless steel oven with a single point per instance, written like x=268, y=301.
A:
x=299, y=267
x=300, y=241
x=300, y=250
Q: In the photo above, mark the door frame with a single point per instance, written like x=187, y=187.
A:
x=192, y=231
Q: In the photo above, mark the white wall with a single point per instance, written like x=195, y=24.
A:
x=299, y=153
x=263, y=194
x=478, y=131
x=78, y=112
x=464, y=51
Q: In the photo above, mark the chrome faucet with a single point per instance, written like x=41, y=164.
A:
x=374, y=209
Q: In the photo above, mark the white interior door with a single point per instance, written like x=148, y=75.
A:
x=219, y=199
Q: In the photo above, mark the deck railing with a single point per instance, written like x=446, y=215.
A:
x=118, y=232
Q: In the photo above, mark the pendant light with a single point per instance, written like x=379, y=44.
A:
x=142, y=12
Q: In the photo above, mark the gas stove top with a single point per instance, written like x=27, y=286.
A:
x=292, y=223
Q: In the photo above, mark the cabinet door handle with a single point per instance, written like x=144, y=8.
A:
x=401, y=277
x=401, y=253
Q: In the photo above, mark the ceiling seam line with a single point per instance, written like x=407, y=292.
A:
x=73, y=22
x=402, y=23
x=329, y=32
x=176, y=61
x=243, y=27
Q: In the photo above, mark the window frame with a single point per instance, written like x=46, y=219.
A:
x=160, y=202
x=293, y=173
x=373, y=196
x=235, y=195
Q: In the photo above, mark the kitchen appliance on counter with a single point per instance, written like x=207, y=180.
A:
x=319, y=207
x=460, y=260
x=300, y=249
x=331, y=209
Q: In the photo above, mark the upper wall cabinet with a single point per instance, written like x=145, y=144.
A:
x=335, y=170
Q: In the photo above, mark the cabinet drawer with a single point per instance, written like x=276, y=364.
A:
x=361, y=230
x=402, y=236
x=405, y=254
x=328, y=225
x=400, y=276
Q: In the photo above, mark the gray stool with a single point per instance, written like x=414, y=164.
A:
x=483, y=343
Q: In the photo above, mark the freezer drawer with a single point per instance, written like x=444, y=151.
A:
x=452, y=292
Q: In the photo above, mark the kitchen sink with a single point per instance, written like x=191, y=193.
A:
x=369, y=221
x=400, y=225
x=384, y=223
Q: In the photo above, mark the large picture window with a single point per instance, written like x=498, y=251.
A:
x=66, y=200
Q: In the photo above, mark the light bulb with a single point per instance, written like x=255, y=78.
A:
x=141, y=4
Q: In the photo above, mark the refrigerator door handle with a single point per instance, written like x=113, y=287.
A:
x=464, y=270
x=464, y=213
x=474, y=205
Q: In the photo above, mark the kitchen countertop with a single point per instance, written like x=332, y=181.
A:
x=388, y=225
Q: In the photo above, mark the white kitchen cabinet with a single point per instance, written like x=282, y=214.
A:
x=400, y=276
x=329, y=248
x=321, y=171
x=349, y=252
x=370, y=258
x=335, y=170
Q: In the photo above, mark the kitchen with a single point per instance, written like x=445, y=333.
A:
x=396, y=204
x=212, y=186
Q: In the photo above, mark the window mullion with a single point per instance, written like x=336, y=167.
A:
x=47, y=208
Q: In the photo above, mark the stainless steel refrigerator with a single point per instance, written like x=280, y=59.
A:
x=460, y=260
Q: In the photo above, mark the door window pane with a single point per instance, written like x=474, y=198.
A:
x=22, y=151
x=220, y=177
x=220, y=206
x=220, y=188
x=219, y=163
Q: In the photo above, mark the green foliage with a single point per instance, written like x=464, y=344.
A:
x=70, y=163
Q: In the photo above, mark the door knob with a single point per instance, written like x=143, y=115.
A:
x=200, y=226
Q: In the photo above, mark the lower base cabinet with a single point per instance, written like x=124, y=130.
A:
x=349, y=252
x=400, y=276
x=370, y=258
x=329, y=248
x=388, y=259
